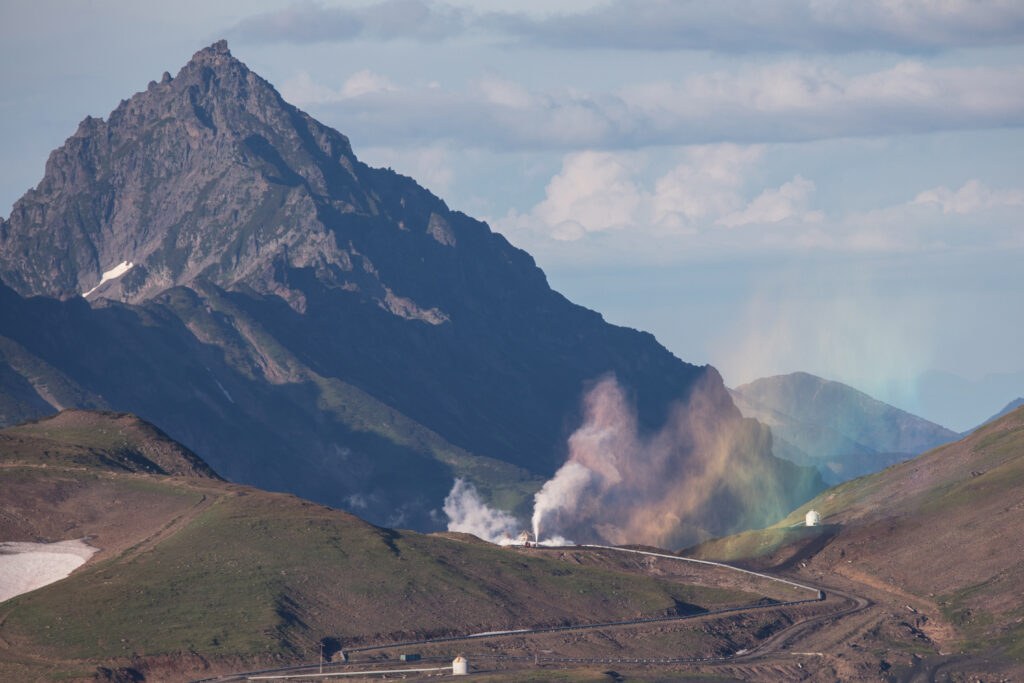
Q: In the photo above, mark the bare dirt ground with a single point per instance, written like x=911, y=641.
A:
x=107, y=508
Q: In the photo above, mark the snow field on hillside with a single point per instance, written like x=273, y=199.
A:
x=25, y=567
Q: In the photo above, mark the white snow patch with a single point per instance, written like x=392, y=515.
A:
x=112, y=274
x=25, y=567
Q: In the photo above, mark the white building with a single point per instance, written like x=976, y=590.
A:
x=525, y=538
x=812, y=518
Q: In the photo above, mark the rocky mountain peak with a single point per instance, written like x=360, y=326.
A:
x=212, y=175
x=216, y=53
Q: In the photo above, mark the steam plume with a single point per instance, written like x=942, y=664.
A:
x=706, y=472
x=468, y=513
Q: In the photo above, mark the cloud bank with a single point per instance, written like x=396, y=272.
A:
x=601, y=191
x=740, y=26
x=313, y=22
x=774, y=25
x=711, y=200
x=790, y=101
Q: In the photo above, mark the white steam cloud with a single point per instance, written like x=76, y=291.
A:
x=706, y=472
x=561, y=495
x=468, y=513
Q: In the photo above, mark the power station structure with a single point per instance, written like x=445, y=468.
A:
x=460, y=666
x=524, y=539
x=812, y=518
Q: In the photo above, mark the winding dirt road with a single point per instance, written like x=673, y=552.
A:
x=776, y=645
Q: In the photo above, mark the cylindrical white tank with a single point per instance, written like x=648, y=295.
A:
x=460, y=666
x=813, y=518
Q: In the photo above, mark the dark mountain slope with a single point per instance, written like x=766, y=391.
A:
x=261, y=416
x=305, y=322
x=842, y=431
x=30, y=387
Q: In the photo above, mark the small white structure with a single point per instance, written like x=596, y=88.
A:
x=460, y=666
x=525, y=538
x=812, y=518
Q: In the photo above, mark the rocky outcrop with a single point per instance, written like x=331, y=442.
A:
x=208, y=174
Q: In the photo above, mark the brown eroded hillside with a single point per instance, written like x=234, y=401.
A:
x=943, y=533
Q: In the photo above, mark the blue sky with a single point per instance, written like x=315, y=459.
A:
x=767, y=186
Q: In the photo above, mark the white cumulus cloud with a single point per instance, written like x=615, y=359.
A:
x=787, y=101
x=302, y=90
x=603, y=191
x=787, y=202
x=972, y=197
x=595, y=191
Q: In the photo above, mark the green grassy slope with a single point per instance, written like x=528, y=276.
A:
x=257, y=574
x=100, y=440
x=194, y=567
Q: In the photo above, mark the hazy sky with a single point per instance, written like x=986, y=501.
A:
x=766, y=185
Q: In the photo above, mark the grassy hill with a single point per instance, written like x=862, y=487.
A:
x=105, y=440
x=196, y=572
x=946, y=527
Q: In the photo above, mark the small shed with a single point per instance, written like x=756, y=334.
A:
x=812, y=518
x=460, y=666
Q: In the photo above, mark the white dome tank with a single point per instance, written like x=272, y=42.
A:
x=813, y=518
x=460, y=666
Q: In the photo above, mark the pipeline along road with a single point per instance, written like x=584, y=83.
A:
x=772, y=644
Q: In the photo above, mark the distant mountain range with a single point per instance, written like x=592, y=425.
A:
x=214, y=260
x=960, y=403
x=1009, y=408
x=841, y=431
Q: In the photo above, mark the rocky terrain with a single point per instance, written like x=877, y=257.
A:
x=843, y=432
x=214, y=260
